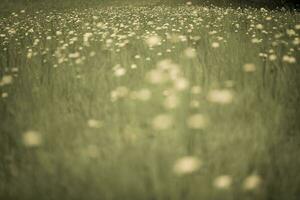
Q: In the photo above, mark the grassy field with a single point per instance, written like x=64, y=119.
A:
x=157, y=103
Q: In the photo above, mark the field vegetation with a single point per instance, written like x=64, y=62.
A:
x=149, y=102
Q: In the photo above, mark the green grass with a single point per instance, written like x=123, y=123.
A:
x=92, y=134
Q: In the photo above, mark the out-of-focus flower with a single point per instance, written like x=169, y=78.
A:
x=187, y=165
x=252, y=182
x=256, y=40
x=162, y=122
x=58, y=33
x=290, y=32
x=153, y=40
x=74, y=55
x=215, y=45
x=86, y=38
x=190, y=52
x=4, y=95
x=119, y=71
x=93, y=123
x=259, y=26
x=156, y=77
x=249, y=67
x=119, y=92
x=272, y=57
x=133, y=66
x=181, y=84
x=197, y=121
x=296, y=41
x=223, y=182
x=142, y=94
x=6, y=80
x=220, y=96
x=189, y=3
x=289, y=59
x=32, y=138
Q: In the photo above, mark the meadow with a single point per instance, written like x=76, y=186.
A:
x=150, y=102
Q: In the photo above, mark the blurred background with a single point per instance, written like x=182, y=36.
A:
x=104, y=101
x=16, y=4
